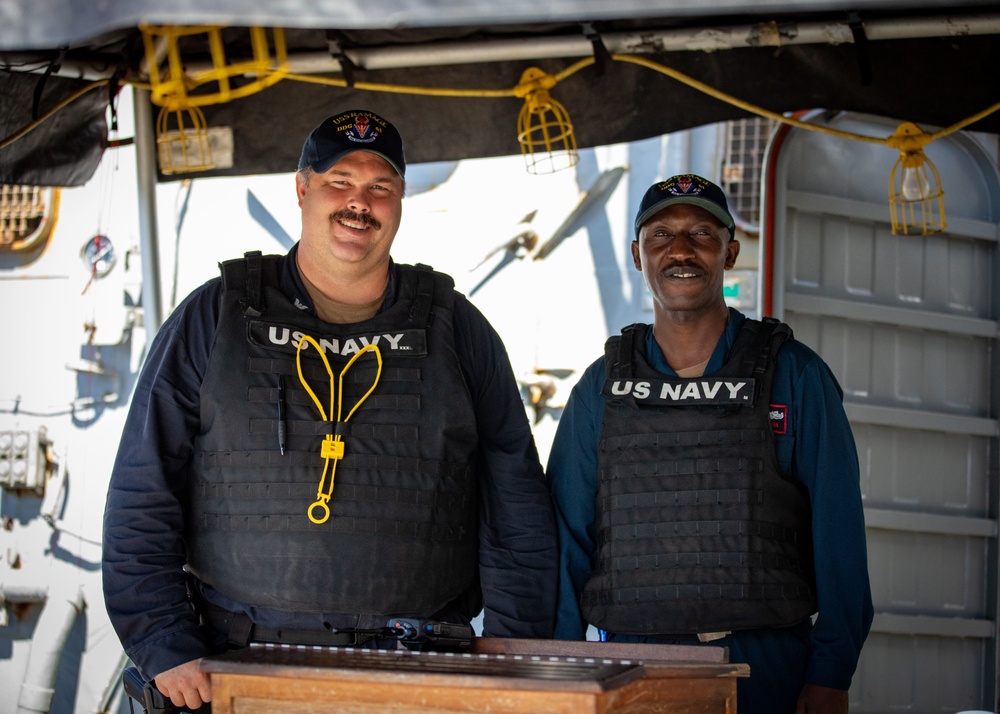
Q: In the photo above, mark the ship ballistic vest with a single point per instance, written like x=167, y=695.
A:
x=697, y=530
x=402, y=534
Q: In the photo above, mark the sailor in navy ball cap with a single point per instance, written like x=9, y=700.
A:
x=351, y=131
x=440, y=509
x=706, y=478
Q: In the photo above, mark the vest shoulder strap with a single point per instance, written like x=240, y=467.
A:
x=429, y=282
x=757, y=344
x=619, y=350
x=247, y=275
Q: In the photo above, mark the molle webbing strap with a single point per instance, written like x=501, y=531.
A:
x=253, y=301
x=626, y=349
x=757, y=336
x=758, y=342
x=621, y=362
x=244, y=276
x=779, y=335
x=302, y=427
x=423, y=530
x=624, y=361
x=772, y=334
x=421, y=309
x=750, y=343
x=270, y=365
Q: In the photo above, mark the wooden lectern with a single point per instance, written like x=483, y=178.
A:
x=497, y=676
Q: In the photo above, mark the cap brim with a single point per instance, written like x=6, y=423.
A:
x=724, y=218
x=321, y=167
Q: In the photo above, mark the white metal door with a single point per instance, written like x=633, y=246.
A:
x=909, y=326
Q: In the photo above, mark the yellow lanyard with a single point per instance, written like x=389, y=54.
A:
x=332, y=449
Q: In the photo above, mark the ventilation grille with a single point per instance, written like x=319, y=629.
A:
x=746, y=140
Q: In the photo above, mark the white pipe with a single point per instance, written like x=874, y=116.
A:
x=705, y=39
x=47, y=644
x=149, y=242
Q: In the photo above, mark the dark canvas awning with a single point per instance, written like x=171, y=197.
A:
x=927, y=62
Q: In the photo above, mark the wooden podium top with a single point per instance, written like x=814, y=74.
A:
x=497, y=675
x=647, y=653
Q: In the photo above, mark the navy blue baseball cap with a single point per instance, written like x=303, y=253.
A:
x=350, y=131
x=685, y=188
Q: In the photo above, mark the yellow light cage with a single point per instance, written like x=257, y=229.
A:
x=916, y=199
x=182, y=143
x=544, y=129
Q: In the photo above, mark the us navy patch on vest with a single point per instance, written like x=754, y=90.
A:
x=395, y=343
x=682, y=392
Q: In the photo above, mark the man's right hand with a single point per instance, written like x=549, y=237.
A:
x=185, y=685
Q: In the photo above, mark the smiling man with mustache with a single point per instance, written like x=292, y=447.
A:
x=224, y=526
x=706, y=479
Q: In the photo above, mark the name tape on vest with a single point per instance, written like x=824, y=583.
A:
x=682, y=392
x=395, y=343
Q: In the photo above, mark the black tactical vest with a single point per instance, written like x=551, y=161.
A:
x=402, y=534
x=697, y=531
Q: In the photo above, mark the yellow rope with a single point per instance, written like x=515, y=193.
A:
x=656, y=67
x=558, y=77
x=59, y=105
x=753, y=109
x=649, y=64
x=574, y=68
x=728, y=99
x=378, y=356
x=965, y=122
x=332, y=449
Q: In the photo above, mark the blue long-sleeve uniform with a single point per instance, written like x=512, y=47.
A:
x=144, y=583
x=814, y=445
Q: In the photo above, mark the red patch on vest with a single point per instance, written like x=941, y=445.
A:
x=779, y=418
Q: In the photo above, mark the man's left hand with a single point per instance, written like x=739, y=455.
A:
x=815, y=699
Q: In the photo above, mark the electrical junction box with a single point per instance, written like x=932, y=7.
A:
x=24, y=462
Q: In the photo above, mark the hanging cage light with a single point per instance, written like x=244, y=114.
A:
x=916, y=199
x=182, y=141
x=544, y=129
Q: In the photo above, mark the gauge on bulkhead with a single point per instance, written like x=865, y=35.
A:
x=98, y=255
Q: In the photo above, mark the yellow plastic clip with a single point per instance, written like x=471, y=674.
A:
x=325, y=509
x=332, y=449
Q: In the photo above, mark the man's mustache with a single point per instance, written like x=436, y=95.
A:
x=348, y=215
x=682, y=265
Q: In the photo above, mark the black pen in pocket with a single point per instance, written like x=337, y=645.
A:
x=281, y=414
